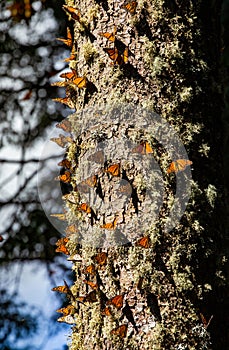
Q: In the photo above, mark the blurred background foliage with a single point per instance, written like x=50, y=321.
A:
x=30, y=57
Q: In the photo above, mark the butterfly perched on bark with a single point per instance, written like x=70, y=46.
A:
x=69, y=75
x=121, y=331
x=178, y=165
x=110, y=225
x=109, y=36
x=117, y=301
x=65, y=163
x=90, y=269
x=61, y=245
x=71, y=229
x=106, y=311
x=62, y=140
x=65, y=125
x=204, y=320
x=130, y=6
x=113, y=169
x=90, y=297
x=100, y=258
x=73, y=11
x=66, y=177
x=67, y=41
x=116, y=56
x=68, y=310
x=143, y=242
x=91, y=284
x=143, y=148
x=90, y=182
x=85, y=207
x=65, y=100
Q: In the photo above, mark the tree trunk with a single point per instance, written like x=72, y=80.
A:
x=160, y=283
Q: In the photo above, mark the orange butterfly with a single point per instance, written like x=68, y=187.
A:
x=115, y=56
x=65, y=100
x=61, y=246
x=67, y=319
x=101, y=258
x=90, y=297
x=178, y=165
x=80, y=82
x=74, y=12
x=121, y=331
x=85, y=207
x=89, y=182
x=130, y=6
x=90, y=269
x=114, y=169
x=143, y=242
x=68, y=310
x=106, y=311
x=66, y=177
x=143, y=148
x=72, y=57
x=91, y=284
x=117, y=301
x=60, y=289
x=110, y=225
x=204, y=321
x=65, y=125
x=67, y=41
x=61, y=217
x=109, y=36
x=62, y=140
x=69, y=75
x=65, y=163
x=71, y=229
x=60, y=83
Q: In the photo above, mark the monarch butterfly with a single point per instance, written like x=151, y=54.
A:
x=71, y=229
x=61, y=246
x=67, y=41
x=60, y=289
x=85, y=207
x=204, y=321
x=62, y=140
x=109, y=36
x=69, y=75
x=91, y=284
x=66, y=177
x=143, y=148
x=80, y=82
x=89, y=182
x=65, y=163
x=66, y=101
x=143, y=242
x=90, y=269
x=68, y=310
x=115, y=56
x=61, y=217
x=97, y=157
x=130, y=6
x=74, y=12
x=60, y=83
x=72, y=57
x=110, y=225
x=114, y=169
x=90, y=297
x=178, y=165
x=65, y=125
x=117, y=301
x=106, y=311
x=121, y=331
x=101, y=258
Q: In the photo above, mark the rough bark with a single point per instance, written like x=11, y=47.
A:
x=173, y=69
